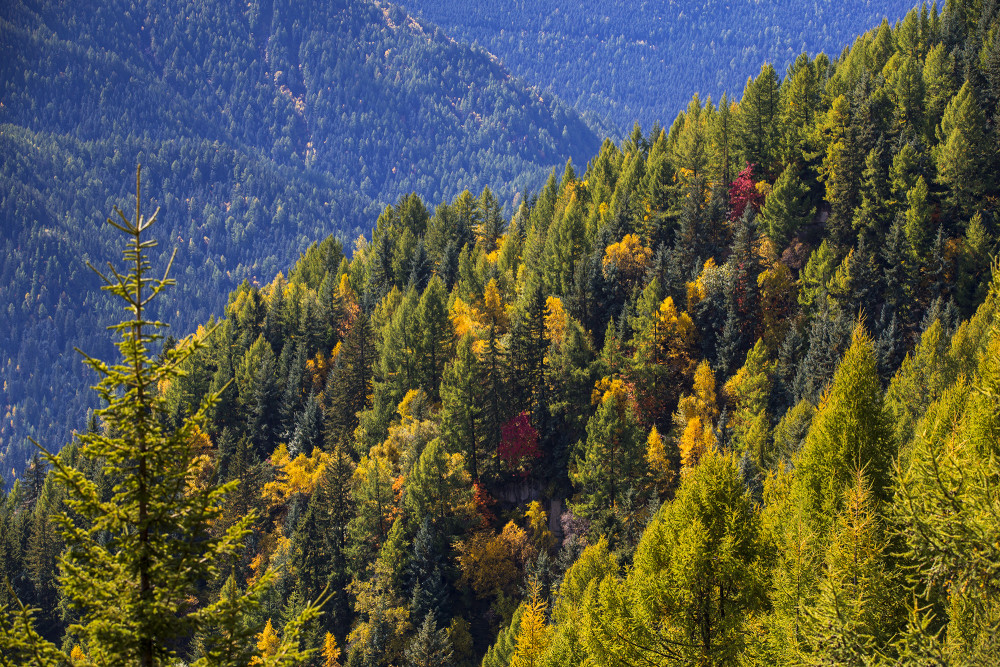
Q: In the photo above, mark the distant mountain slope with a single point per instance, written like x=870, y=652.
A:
x=261, y=126
x=627, y=61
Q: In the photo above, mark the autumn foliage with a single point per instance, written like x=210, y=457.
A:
x=743, y=193
x=629, y=256
x=519, y=443
x=641, y=359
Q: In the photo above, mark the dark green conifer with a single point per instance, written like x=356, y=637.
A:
x=436, y=336
x=492, y=223
x=759, y=126
x=425, y=574
x=430, y=647
x=461, y=401
x=308, y=432
x=349, y=383
x=265, y=409
x=420, y=267
x=786, y=208
x=609, y=461
x=494, y=401
x=529, y=343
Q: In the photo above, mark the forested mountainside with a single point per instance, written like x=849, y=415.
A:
x=605, y=57
x=262, y=128
x=728, y=395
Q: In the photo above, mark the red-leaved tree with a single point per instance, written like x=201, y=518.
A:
x=518, y=446
x=743, y=192
x=484, y=503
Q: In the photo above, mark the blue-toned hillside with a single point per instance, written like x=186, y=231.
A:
x=641, y=61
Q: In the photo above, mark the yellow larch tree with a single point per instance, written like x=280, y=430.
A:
x=695, y=414
x=267, y=643
x=629, y=256
x=534, y=634
x=292, y=476
x=659, y=462
x=538, y=525
x=331, y=652
x=555, y=319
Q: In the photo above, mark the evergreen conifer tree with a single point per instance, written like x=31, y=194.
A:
x=858, y=608
x=786, y=209
x=309, y=430
x=349, y=384
x=918, y=220
x=529, y=344
x=430, y=647
x=265, y=412
x=437, y=336
x=438, y=485
x=610, y=460
x=759, y=126
x=695, y=608
x=419, y=267
x=425, y=572
x=799, y=98
x=959, y=155
x=850, y=432
x=461, y=396
x=134, y=560
x=335, y=507
x=491, y=225
x=494, y=400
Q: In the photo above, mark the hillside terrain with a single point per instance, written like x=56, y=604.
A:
x=628, y=62
x=728, y=395
x=260, y=129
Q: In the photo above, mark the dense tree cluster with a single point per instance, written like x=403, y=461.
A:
x=263, y=128
x=729, y=395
